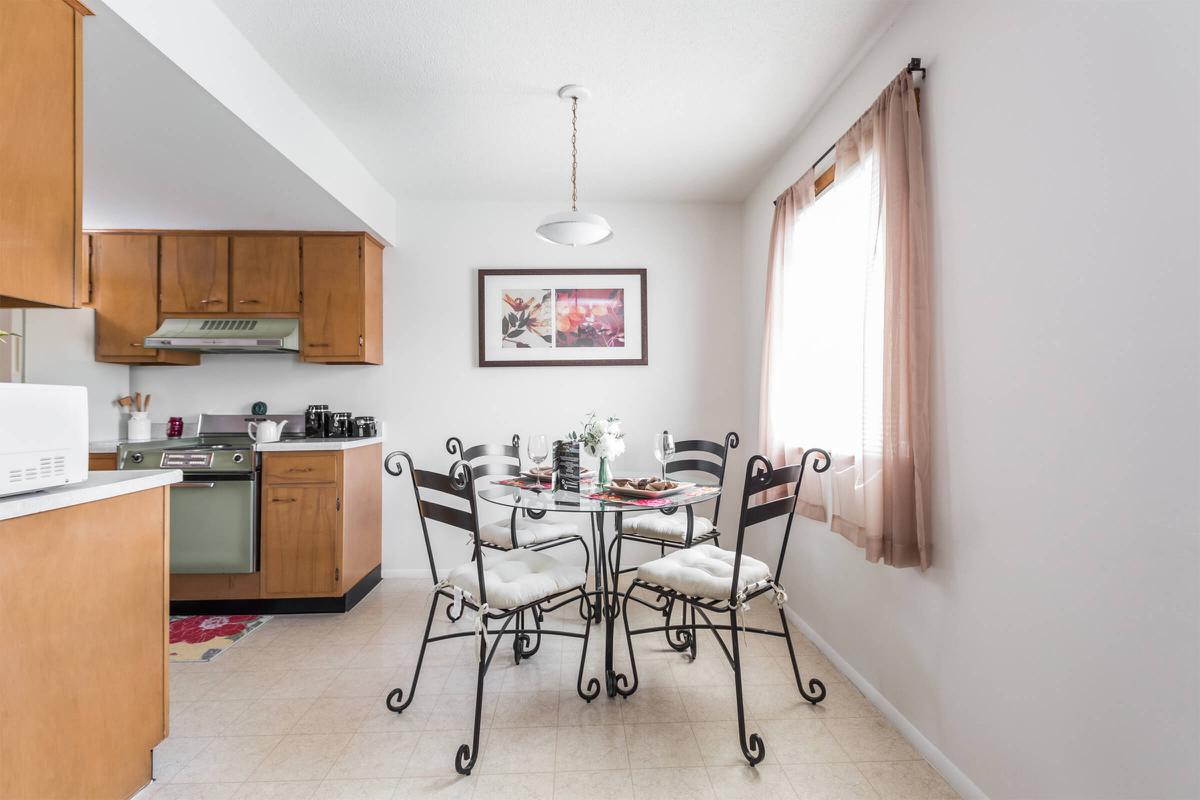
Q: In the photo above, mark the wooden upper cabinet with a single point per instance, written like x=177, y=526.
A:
x=265, y=275
x=124, y=280
x=194, y=274
x=342, y=319
x=41, y=153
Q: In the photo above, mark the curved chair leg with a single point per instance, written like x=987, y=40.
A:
x=678, y=639
x=395, y=698
x=692, y=635
x=753, y=749
x=521, y=642
x=629, y=687
x=468, y=754
x=593, y=685
x=816, y=689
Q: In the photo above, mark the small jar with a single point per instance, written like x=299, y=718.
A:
x=174, y=427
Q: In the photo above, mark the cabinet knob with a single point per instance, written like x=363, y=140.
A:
x=318, y=344
x=212, y=300
x=300, y=469
x=249, y=301
x=283, y=499
x=136, y=344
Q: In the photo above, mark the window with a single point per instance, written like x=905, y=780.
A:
x=833, y=331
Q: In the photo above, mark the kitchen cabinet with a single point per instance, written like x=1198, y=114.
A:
x=102, y=462
x=193, y=274
x=41, y=153
x=299, y=540
x=342, y=291
x=124, y=283
x=265, y=275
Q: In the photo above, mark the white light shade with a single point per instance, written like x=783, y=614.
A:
x=574, y=228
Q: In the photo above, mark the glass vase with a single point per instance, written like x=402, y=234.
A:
x=604, y=476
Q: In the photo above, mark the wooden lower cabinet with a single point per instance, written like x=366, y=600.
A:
x=102, y=462
x=300, y=540
x=83, y=668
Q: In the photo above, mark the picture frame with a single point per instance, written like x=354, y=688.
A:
x=562, y=317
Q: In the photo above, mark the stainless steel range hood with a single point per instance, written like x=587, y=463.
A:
x=220, y=335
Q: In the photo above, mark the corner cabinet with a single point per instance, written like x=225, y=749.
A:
x=41, y=153
x=331, y=281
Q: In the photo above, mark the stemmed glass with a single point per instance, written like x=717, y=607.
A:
x=664, y=450
x=539, y=451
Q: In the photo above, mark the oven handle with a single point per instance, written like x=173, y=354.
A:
x=193, y=485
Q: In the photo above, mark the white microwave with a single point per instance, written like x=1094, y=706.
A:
x=43, y=436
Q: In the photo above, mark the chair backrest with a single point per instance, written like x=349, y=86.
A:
x=429, y=488
x=489, y=460
x=701, y=455
x=762, y=476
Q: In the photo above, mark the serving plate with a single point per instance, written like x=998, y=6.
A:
x=648, y=494
x=584, y=474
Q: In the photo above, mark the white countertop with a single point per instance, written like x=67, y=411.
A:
x=300, y=445
x=98, y=486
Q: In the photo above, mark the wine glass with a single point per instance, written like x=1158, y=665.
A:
x=539, y=451
x=664, y=450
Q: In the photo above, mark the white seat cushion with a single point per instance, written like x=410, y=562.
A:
x=517, y=577
x=529, y=531
x=702, y=571
x=671, y=528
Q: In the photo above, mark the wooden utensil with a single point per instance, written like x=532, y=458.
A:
x=125, y=402
x=137, y=400
x=146, y=404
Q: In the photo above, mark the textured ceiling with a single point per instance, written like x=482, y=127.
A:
x=443, y=100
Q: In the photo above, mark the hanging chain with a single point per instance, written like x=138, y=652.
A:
x=574, y=152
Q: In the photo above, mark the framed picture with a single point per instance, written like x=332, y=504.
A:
x=562, y=317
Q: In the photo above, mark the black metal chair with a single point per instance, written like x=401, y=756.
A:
x=523, y=580
x=707, y=579
x=672, y=529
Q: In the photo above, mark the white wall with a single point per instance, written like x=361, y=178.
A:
x=429, y=388
x=1051, y=651
x=60, y=348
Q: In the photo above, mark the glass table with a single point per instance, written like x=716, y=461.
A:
x=537, y=502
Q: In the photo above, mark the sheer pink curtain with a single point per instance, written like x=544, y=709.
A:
x=881, y=494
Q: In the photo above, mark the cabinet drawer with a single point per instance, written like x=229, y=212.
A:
x=299, y=468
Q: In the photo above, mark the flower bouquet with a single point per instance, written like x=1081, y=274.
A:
x=601, y=438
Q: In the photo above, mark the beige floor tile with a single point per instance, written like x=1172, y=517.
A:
x=907, y=780
x=523, y=786
x=195, y=791
x=534, y=676
x=526, y=710
x=519, y=750
x=187, y=687
x=443, y=787
x=574, y=710
x=236, y=658
x=304, y=757
x=662, y=745
x=205, y=717
x=392, y=656
x=710, y=703
x=763, y=782
x=602, y=785
x=720, y=743
x=173, y=753
x=871, y=739
x=367, y=789
x=800, y=741
x=374, y=682
x=829, y=782
x=378, y=718
x=664, y=782
x=328, y=656
x=591, y=747
x=334, y=715
x=435, y=752
x=374, y=755
x=232, y=758
x=264, y=717
x=457, y=711
x=243, y=685
x=651, y=705
x=842, y=699
x=277, y=790
x=294, y=683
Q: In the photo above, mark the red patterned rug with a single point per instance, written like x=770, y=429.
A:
x=206, y=636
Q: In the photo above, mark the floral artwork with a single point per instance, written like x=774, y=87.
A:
x=589, y=317
x=525, y=318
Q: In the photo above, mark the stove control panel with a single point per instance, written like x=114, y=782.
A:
x=186, y=460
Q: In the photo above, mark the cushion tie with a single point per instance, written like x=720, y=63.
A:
x=480, y=630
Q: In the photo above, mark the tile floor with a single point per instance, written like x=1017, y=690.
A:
x=295, y=711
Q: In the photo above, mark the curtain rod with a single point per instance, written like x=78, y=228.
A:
x=914, y=65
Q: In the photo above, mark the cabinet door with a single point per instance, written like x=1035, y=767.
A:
x=124, y=291
x=265, y=274
x=299, y=540
x=194, y=275
x=332, y=318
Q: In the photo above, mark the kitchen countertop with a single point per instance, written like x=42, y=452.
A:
x=300, y=445
x=98, y=486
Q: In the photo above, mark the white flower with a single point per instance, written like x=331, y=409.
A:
x=614, y=426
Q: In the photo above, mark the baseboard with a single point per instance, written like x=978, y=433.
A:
x=957, y=779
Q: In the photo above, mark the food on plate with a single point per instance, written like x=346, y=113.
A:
x=645, y=484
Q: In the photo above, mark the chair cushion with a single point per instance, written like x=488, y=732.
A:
x=517, y=577
x=671, y=528
x=703, y=570
x=529, y=531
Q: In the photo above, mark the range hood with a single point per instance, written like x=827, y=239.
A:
x=223, y=335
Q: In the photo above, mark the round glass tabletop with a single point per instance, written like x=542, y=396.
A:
x=604, y=502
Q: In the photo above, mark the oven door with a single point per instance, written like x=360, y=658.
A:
x=213, y=523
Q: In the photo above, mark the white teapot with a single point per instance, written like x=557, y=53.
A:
x=266, y=431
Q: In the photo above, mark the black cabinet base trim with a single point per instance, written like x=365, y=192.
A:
x=287, y=605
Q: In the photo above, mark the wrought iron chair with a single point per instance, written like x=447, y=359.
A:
x=707, y=579
x=670, y=528
x=500, y=588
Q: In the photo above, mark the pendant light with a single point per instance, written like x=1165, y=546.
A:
x=574, y=228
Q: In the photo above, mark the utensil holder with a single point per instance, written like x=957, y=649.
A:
x=139, y=426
